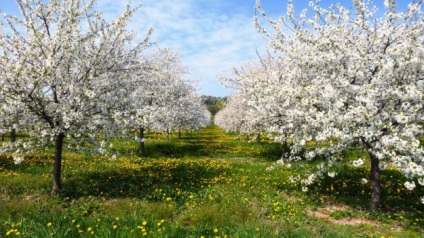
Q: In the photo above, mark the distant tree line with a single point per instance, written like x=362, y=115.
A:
x=214, y=104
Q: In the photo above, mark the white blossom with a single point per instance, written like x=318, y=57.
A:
x=358, y=163
x=17, y=159
x=410, y=185
x=332, y=174
x=421, y=181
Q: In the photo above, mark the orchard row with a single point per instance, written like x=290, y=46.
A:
x=336, y=79
x=69, y=75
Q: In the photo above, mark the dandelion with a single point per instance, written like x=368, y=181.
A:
x=10, y=232
x=114, y=227
x=215, y=230
x=168, y=199
x=89, y=229
x=144, y=223
x=49, y=224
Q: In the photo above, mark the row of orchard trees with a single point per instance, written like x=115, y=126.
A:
x=67, y=73
x=341, y=78
x=163, y=101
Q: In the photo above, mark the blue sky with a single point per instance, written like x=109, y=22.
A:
x=211, y=36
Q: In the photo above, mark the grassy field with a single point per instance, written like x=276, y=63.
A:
x=208, y=184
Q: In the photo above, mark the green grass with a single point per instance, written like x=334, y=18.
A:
x=209, y=184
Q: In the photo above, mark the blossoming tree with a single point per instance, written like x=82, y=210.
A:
x=164, y=101
x=352, y=78
x=231, y=117
x=67, y=69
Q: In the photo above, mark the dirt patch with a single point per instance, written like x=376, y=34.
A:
x=324, y=213
x=117, y=201
x=289, y=197
x=32, y=198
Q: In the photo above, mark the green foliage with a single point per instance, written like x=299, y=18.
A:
x=214, y=104
x=207, y=184
x=212, y=100
x=213, y=109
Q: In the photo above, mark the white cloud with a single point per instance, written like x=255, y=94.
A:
x=211, y=36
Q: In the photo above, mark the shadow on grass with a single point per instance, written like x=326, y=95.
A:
x=349, y=189
x=32, y=164
x=207, y=147
x=155, y=181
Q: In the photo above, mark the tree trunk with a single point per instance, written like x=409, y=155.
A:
x=13, y=135
x=258, y=137
x=375, y=177
x=167, y=133
x=142, y=150
x=57, y=167
x=2, y=137
x=179, y=134
x=285, y=150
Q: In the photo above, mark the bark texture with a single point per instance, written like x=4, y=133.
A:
x=57, y=167
x=375, y=179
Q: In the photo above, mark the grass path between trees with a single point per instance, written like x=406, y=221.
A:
x=208, y=184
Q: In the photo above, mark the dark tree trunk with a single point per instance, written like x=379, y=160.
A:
x=375, y=179
x=285, y=150
x=2, y=137
x=258, y=137
x=57, y=167
x=142, y=150
x=179, y=134
x=13, y=135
